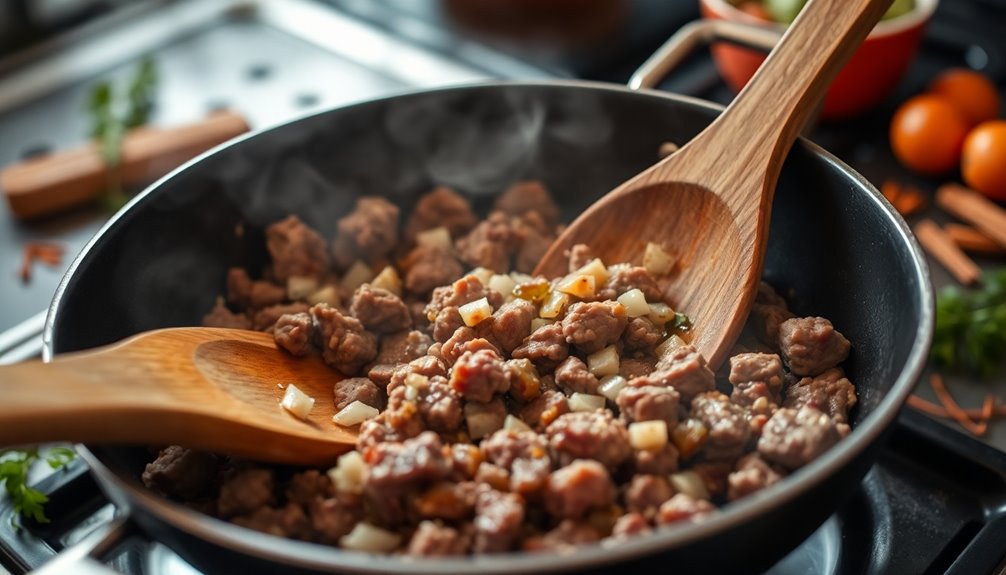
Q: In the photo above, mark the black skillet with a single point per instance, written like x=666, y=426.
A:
x=836, y=248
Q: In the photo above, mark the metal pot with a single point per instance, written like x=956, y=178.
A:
x=836, y=248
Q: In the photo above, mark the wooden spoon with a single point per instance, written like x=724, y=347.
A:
x=206, y=388
x=710, y=201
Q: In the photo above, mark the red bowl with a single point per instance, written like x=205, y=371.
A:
x=872, y=73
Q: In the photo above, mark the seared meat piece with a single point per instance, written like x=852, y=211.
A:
x=245, y=492
x=296, y=250
x=244, y=292
x=294, y=333
x=682, y=507
x=830, y=392
x=646, y=493
x=368, y=233
x=631, y=368
x=589, y=435
x=287, y=521
x=593, y=326
x=427, y=267
x=433, y=540
x=641, y=335
x=579, y=256
x=478, y=375
x=572, y=376
x=442, y=207
x=767, y=319
x=726, y=423
x=629, y=525
x=181, y=472
x=333, y=517
x=684, y=369
x=345, y=345
x=751, y=474
x=490, y=244
x=265, y=319
x=627, y=278
x=511, y=323
x=220, y=316
x=564, y=537
x=811, y=345
x=379, y=310
x=545, y=347
x=397, y=467
x=544, y=409
x=529, y=196
x=794, y=438
x=648, y=403
x=577, y=488
x=749, y=368
x=499, y=518
x=357, y=389
x=662, y=462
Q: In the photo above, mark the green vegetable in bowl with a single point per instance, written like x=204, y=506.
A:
x=971, y=326
x=785, y=11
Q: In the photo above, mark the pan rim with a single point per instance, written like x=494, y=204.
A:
x=322, y=558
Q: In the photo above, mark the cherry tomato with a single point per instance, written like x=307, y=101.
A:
x=971, y=92
x=983, y=161
x=927, y=133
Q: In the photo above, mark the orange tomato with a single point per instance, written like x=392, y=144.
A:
x=927, y=133
x=983, y=160
x=971, y=92
x=756, y=9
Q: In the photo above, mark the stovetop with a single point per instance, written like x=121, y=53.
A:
x=934, y=503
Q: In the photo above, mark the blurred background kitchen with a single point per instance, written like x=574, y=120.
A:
x=100, y=97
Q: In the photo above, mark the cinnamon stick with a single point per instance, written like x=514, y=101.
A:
x=935, y=241
x=974, y=208
x=972, y=240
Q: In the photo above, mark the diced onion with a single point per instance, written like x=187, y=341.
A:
x=579, y=285
x=604, y=362
x=481, y=420
x=554, y=305
x=388, y=280
x=611, y=385
x=300, y=287
x=656, y=260
x=666, y=149
x=355, y=413
x=668, y=345
x=615, y=268
x=367, y=537
x=297, y=402
x=648, y=435
x=502, y=284
x=411, y=394
x=416, y=380
x=358, y=274
x=349, y=473
x=595, y=268
x=585, y=402
x=514, y=423
x=439, y=238
x=475, y=312
x=660, y=313
x=634, y=302
x=519, y=278
x=482, y=274
x=689, y=483
x=540, y=322
x=328, y=294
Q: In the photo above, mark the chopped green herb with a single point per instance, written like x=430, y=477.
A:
x=15, y=464
x=971, y=326
x=681, y=322
x=111, y=117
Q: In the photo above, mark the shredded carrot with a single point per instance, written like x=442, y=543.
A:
x=954, y=410
x=910, y=201
x=929, y=408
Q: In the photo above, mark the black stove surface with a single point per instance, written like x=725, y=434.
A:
x=935, y=502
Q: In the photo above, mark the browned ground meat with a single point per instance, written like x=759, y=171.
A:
x=220, y=316
x=345, y=345
x=572, y=376
x=577, y=488
x=427, y=267
x=646, y=493
x=649, y=402
x=181, y=472
x=442, y=207
x=682, y=507
x=379, y=310
x=811, y=345
x=512, y=323
x=368, y=233
x=830, y=392
x=293, y=332
x=793, y=438
x=751, y=474
x=296, y=250
x=545, y=347
x=726, y=423
x=433, y=540
x=478, y=375
x=589, y=435
x=449, y=466
x=265, y=318
x=498, y=520
x=593, y=326
x=357, y=389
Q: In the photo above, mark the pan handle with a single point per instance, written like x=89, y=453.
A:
x=84, y=558
x=696, y=34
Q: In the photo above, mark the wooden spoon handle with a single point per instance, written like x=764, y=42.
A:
x=757, y=130
x=84, y=397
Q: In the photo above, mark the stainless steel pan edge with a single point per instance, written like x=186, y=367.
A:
x=316, y=557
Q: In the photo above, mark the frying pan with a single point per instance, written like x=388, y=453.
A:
x=836, y=248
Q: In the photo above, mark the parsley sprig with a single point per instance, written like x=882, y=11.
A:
x=113, y=114
x=15, y=464
x=971, y=326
